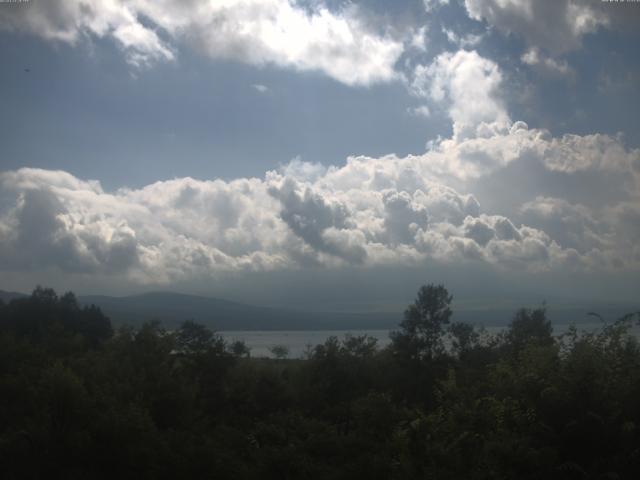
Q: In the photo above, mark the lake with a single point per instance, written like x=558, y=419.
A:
x=298, y=341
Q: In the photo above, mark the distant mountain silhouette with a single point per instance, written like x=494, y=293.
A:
x=173, y=308
x=8, y=296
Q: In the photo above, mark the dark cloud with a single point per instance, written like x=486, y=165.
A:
x=43, y=236
x=310, y=217
x=403, y=217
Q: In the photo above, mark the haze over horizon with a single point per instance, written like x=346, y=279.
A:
x=322, y=153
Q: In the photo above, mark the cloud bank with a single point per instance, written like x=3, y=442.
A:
x=369, y=212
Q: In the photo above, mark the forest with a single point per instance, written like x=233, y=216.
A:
x=445, y=400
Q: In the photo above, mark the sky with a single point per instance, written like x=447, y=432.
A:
x=321, y=153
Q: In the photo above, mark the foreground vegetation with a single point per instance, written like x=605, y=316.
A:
x=444, y=400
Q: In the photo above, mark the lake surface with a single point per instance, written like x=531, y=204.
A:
x=298, y=342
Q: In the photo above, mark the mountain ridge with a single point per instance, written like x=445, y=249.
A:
x=172, y=308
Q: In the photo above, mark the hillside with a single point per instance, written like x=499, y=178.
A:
x=8, y=296
x=173, y=308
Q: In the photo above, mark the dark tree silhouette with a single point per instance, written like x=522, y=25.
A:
x=530, y=326
x=194, y=338
x=463, y=337
x=44, y=315
x=279, y=351
x=151, y=403
x=422, y=327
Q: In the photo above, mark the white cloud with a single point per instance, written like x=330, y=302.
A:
x=485, y=139
x=607, y=234
x=572, y=225
x=430, y=5
x=420, y=111
x=403, y=216
x=72, y=21
x=554, y=25
x=260, y=88
x=303, y=171
x=547, y=65
x=573, y=153
x=258, y=32
x=368, y=212
x=461, y=41
x=419, y=39
x=469, y=85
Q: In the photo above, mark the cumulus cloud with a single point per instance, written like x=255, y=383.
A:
x=546, y=65
x=461, y=41
x=258, y=32
x=572, y=153
x=468, y=84
x=69, y=21
x=553, y=28
x=496, y=240
x=418, y=40
x=430, y=5
x=608, y=234
x=554, y=25
x=403, y=216
x=572, y=225
x=323, y=226
x=368, y=212
x=41, y=231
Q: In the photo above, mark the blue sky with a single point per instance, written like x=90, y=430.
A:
x=212, y=147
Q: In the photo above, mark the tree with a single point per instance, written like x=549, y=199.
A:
x=240, y=349
x=44, y=296
x=193, y=338
x=93, y=324
x=463, y=337
x=422, y=327
x=279, y=351
x=530, y=326
x=359, y=346
x=44, y=316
